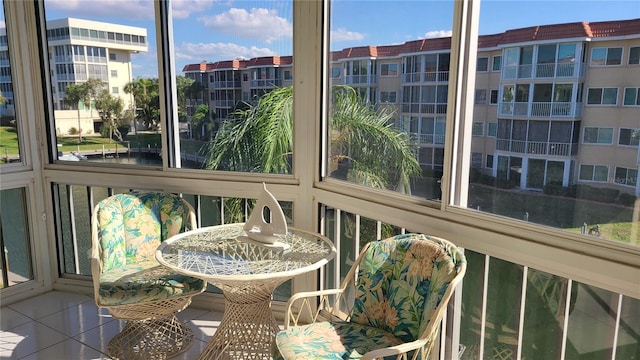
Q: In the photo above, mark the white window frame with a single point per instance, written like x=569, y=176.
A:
x=593, y=173
x=599, y=129
x=382, y=73
x=602, y=95
x=637, y=130
x=607, y=49
x=636, y=101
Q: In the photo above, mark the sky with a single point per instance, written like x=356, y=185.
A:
x=215, y=30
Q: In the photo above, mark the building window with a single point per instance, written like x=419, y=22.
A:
x=114, y=73
x=388, y=69
x=481, y=96
x=626, y=176
x=287, y=75
x=114, y=90
x=489, y=162
x=478, y=128
x=497, y=63
x=482, y=64
x=492, y=129
x=596, y=135
x=336, y=71
x=245, y=77
x=606, y=56
x=388, y=97
x=634, y=55
x=494, y=97
x=602, y=96
x=476, y=159
x=631, y=97
x=594, y=173
x=629, y=137
x=112, y=56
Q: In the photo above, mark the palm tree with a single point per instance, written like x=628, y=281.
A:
x=74, y=94
x=372, y=152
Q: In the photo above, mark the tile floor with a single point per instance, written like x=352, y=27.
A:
x=60, y=326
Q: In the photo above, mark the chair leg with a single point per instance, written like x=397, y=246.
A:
x=151, y=339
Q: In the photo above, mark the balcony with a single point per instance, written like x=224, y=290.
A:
x=553, y=109
x=535, y=147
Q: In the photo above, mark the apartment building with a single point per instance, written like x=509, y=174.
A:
x=554, y=104
x=83, y=49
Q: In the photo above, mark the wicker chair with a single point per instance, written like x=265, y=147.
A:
x=128, y=280
x=390, y=304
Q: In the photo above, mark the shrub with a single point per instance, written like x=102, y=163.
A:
x=73, y=131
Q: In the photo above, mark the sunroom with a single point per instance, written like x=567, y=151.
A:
x=538, y=285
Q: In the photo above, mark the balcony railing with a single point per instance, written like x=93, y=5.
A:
x=428, y=139
x=427, y=76
x=540, y=109
x=360, y=79
x=227, y=84
x=535, y=147
x=266, y=83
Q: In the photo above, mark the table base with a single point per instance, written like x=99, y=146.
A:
x=245, y=332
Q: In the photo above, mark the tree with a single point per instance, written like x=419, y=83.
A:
x=371, y=151
x=110, y=109
x=82, y=93
x=201, y=119
x=147, y=100
x=183, y=86
x=74, y=94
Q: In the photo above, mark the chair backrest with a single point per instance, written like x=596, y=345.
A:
x=402, y=282
x=129, y=227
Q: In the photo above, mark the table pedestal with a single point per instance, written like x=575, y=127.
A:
x=247, y=329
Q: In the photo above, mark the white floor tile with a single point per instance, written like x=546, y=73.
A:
x=70, y=326
x=99, y=337
x=27, y=339
x=10, y=318
x=49, y=303
x=77, y=319
x=65, y=350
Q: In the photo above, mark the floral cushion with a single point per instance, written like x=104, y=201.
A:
x=145, y=281
x=131, y=227
x=401, y=281
x=331, y=340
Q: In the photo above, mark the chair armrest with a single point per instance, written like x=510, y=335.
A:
x=312, y=306
x=400, y=350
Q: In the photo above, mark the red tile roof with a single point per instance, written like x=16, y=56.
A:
x=600, y=29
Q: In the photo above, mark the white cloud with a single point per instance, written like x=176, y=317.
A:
x=261, y=24
x=195, y=52
x=181, y=9
x=343, y=34
x=131, y=9
x=438, y=34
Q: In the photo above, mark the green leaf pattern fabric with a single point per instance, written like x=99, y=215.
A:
x=401, y=281
x=131, y=227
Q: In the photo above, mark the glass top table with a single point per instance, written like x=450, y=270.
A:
x=247, y=272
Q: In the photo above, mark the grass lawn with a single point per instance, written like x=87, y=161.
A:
x=9, y=142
